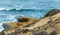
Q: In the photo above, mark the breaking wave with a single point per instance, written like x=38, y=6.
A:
x=19, y=9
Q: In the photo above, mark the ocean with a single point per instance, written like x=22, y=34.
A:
x=10, y=10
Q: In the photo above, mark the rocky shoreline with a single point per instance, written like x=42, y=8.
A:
x=48, y=25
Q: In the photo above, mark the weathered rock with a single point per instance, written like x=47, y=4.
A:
x=6, y=27
x=41, y=33
x=42, y=27
x=52, y=12
x=53, y=33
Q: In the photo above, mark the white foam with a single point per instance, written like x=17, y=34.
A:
x=6, y=8
x=1, y=28
x=22, y=15
x=2, y=8
x=10, y=17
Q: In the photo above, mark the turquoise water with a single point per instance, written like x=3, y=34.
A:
x=38, y=9
x=12, y=15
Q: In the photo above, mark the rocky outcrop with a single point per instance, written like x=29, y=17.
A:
x=11, y=27
x=52, y=12
x=6, y=27
x=49, y=25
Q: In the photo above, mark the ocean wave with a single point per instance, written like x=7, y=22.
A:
x=19, y=9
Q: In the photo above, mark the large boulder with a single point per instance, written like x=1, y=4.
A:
x=53, y=33
x=41, y=33
x=52, y=12
x=9, y=25
x=6, y=27
x=26, y=19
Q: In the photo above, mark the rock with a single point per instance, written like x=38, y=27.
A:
x=41, y=33
x=23, y=19
x=26, y=19
x=9, y=25
x=6, y=27
x=53, y=33
x=52, y=12
x=36, y=28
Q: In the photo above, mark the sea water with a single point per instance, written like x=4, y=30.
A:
x=40, y=7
